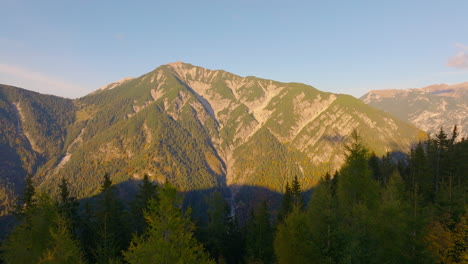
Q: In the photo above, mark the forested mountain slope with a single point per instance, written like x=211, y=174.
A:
x=197, y=128
x=32, y=133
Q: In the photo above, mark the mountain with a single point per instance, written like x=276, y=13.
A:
x=429, y=108
x=198, y=128
x=32, y=135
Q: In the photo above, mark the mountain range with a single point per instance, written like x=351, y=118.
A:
x=429, y=108
x=197, y=128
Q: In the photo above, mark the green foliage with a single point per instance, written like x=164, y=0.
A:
x=324, y=224
x=68, y=205
x=292, y=198
x=112, y=235
x=259, y=240
x=63, y=248
x=158, y=125
x=42, y=237
x=353, y=219
x=292, y=240
x=296, y=194
x=169, y=236
x=272, y=163
x=222, y=236
x=286, y=204
x=356, y=185
x=27, y=200
x=167, y=150
x=147, y=191
x=391, y=229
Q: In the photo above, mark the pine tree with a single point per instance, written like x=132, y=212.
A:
x=324, y=224
x=387, y=168
x=63, y=248
x=440, y=158
x=391, y=232
x=459, y=251
x=286, y=204
x=27, y=200
x=296, y=193
x=68, y=205
x=218, y=226
x=259, y=240
x=420, y=180
x=375, y=165
x=169, y=237
x=28, y=241
x=148, y=191
x=356, y=185
x=112, y=234
x=42, y=237
x=87, y=232
x=222, y=236
x=357, y=195
x=293, y=240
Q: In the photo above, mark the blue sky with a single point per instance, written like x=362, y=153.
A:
x=70, y=48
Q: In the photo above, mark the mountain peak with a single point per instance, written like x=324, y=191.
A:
x=444, y=90
x=429, y=108
x=448, y=90
x=115, y=84
x=177, y=63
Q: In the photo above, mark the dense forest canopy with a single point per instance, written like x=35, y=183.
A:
x=372, y=210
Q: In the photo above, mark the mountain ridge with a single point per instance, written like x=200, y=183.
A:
x=203, y=129
x=430, y=107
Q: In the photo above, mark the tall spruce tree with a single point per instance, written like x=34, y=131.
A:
x=169, y=237
x=296, y=193
x=420, y=180
x=286, y=204
x=217, y=230
x=375, y=165
x=292, y=242
x=63, y=249
x=221, y=235
x=356, y=185
x=27, y=200
x=147, y=191
x=391, y=232
x=259, y=238
x=42, y=237
x=325, y=224
x=68, y=205
x=112, y=234
x=358, y=195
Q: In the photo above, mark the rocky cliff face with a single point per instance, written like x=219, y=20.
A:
x=428, y=108
x=203, y=129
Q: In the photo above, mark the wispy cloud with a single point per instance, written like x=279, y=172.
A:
x=460, y=60
x=29, y=79
x=461, y=46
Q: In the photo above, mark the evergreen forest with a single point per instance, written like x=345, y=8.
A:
x=372, y=210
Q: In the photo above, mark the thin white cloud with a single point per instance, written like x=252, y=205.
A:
x=460, y=60
x=43, y=83
x=461, y=46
